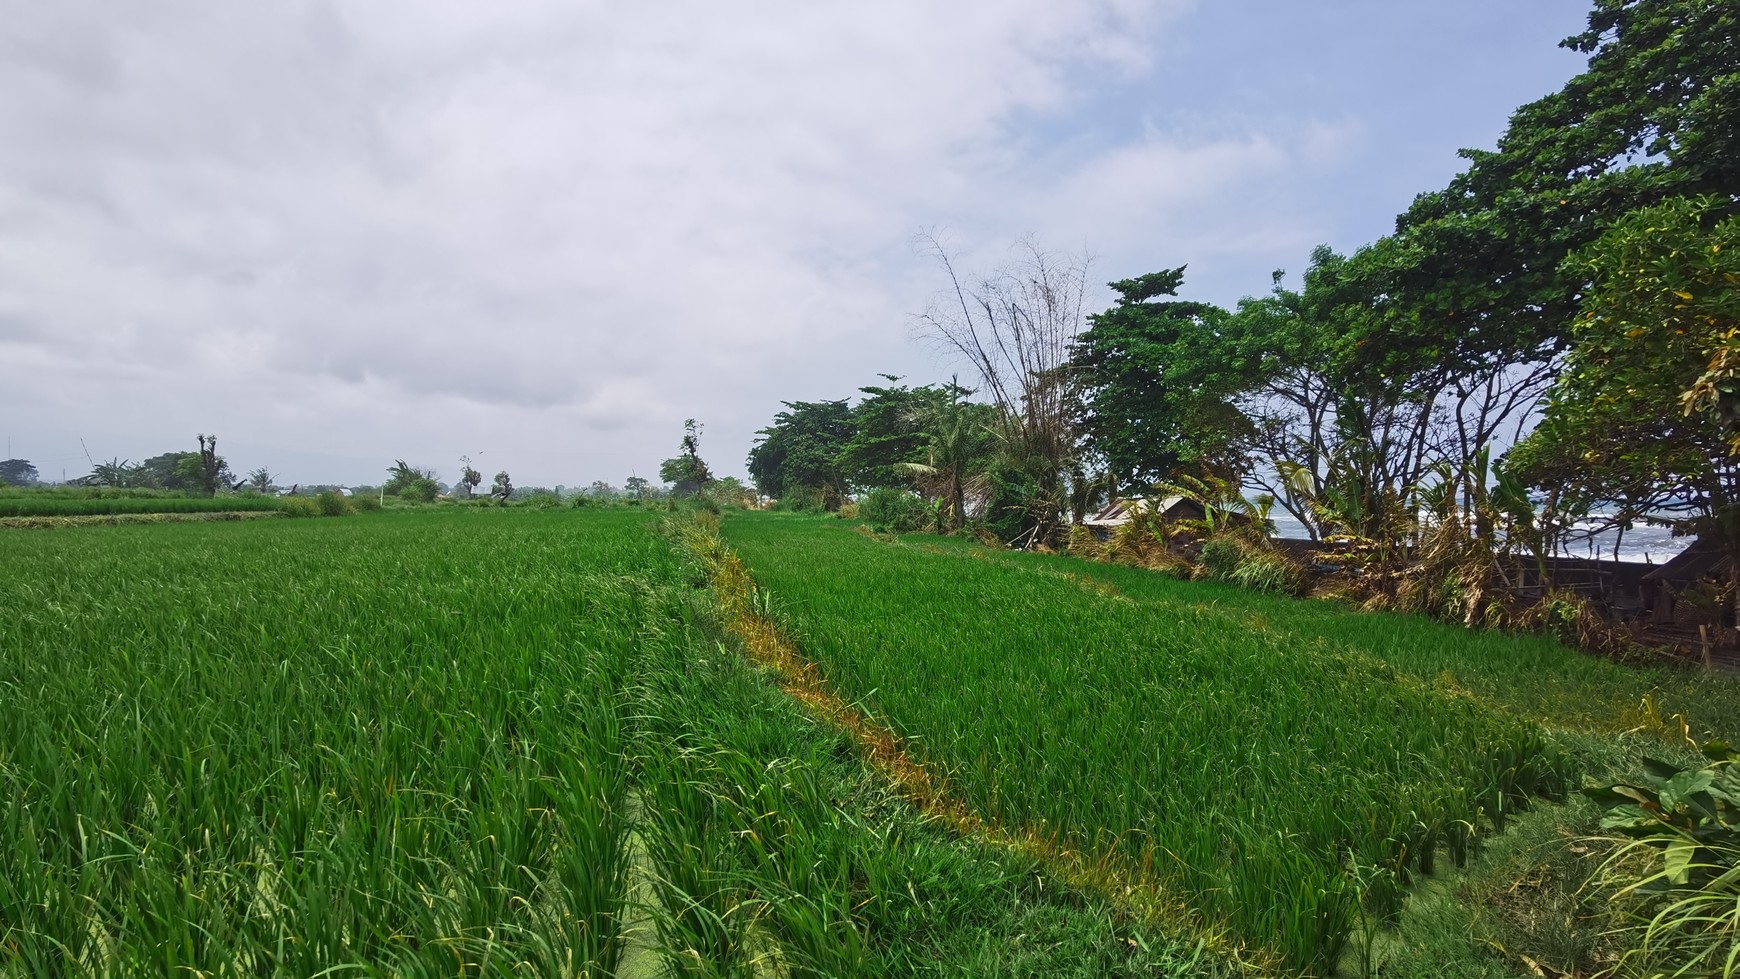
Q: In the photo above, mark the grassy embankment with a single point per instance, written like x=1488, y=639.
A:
x=462, y=742
x=1283, y=766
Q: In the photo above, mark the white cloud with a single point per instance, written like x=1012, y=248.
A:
x=376, y=230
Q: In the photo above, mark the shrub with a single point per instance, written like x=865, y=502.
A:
x=897, y=510
x=1143, y=542
x=1262, y=570
x=331, y=504
x=1676, y=875
x=801, y=499
x=420, y=490
x=299, y=506
x=542, y=499
x=365, y=503
x=1006, y=514
x=1220, y=558
x=847, y=511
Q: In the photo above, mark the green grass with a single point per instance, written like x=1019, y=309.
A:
x=73, y=492
x=459, y=742
x=1530, y=673
x=515, y=741
x=1280, y=778
x=766, y=831
x=278, y=748
x=47, y=505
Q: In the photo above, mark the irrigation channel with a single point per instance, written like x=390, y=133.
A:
x=612, y=743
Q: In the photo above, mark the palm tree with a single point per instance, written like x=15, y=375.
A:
x=115, y=472
x=954, y=457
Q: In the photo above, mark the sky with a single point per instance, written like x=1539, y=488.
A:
x=543, y=233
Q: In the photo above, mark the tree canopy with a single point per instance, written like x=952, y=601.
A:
x=1646, y=416
x=1154, y=379
x=18, y=472
x=802, y=449
x=1655, y=114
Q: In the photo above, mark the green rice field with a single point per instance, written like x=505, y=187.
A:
x=494, y=742
x=1286, y=766
x=462, y=742
x=46, y=505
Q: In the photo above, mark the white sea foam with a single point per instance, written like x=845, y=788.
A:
x=1649, y=545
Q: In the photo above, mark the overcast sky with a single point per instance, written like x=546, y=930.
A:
x=545, y=233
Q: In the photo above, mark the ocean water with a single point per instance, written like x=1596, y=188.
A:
x=1646, y=545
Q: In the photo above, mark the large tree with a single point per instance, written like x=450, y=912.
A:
x=891, y=429
x=1442, y=337
x=1655, y=114
x=165, y=471
x=801, y=450
x=1154, y=378
x=1645, y=418
x=18, y=472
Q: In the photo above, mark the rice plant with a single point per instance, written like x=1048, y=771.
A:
x=458, y=742
x=46, y=505
x=286, y=747
x=1249, y=769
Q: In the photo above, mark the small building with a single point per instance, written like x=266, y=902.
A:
x=1658, y=590
x=1120, y=511
x=1703, y=559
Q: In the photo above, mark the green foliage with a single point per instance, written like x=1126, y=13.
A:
x=958, y=455
x=1157, y=378
x=802, y=448
x=1220, y=557
x=1652, y=116
x=469, y=479
x=300, y=506
x=1265, y=570
x=1007, y=517
x=206, y=471
x=39, y=504
x=164, y=471
x=420, y=490
x=1685, y=904
x=17, y=472
x=332, y=504
x=896, y=510
x=403, y=477
x=366, y=503
x=802, y=499
x=892, y=427
x=1110, y=722
x=117, y=473
x=728, y=492
x=1644, y=417
x=687, y=473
